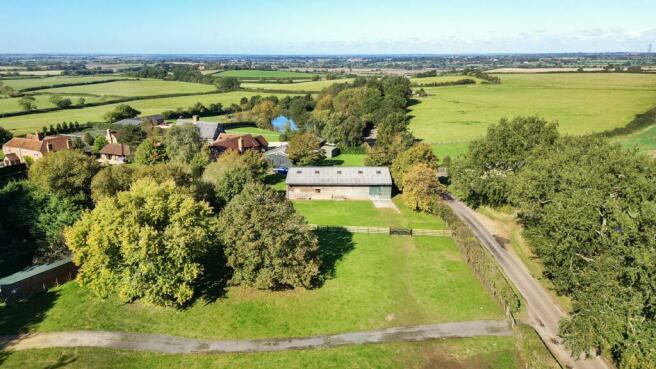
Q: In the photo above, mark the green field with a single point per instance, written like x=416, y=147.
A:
x=471, y=353
x=21, y=83
x=10, y=105
x=146, y=87
x=313, y=86
x=270, y=136
x=28, y=123
x=645, y=140
x=440, y=79
x=363, y=213
x=346, y=160
x=369, y=278
x=582, y=103
x=255, y=74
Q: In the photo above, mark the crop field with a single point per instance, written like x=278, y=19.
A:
x=9, y=105
x=255, y=74
x=471, y=353
x=313, y=86
x=146, y=87
x=371, y=282
x=21, y=83
x=581, y=103
x=28, y=123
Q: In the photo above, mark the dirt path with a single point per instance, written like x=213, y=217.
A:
x=179, y=345
x=545, y=315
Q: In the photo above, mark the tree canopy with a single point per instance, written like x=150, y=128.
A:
x=183, y=143
x=122, y=111
x=66, y=172
x=305, y=149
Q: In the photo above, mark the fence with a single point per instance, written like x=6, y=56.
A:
x=383, y=230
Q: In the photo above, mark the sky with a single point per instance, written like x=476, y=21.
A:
x=325, y=27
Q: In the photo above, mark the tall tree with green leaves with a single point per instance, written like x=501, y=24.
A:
x=183, y=143
x=305, y=149
x=66, y=172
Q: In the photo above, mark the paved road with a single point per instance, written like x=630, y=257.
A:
x=543, y=312
x=180, y=345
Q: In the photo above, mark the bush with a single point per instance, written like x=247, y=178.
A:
x=66, y=172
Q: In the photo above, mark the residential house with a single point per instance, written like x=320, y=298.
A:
x=34, y=146
x=209, y=131
x=239, y=143
x=115, y=154
x=349, y=183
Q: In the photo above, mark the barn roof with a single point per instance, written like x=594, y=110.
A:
x=339, y=176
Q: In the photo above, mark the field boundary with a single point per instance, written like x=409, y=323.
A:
x=383, y=230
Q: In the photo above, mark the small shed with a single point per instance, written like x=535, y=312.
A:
x=349, y=183
x=22, y=285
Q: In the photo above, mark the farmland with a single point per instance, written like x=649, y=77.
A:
x=581, y=103
x=8, y=105
x=441, y=79
x=28, y=123
x=22, y=83
x=133, y=88
x=312, y=86
x=257, y=74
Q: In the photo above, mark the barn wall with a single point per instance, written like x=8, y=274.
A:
x=328, y=192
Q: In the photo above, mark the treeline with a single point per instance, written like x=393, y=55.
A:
x=481, y=75
x=428, y=73
x=57, y=85
x=588, y=208
x=185, y=73
x=464, y=81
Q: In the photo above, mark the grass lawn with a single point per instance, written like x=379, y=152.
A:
x=372, y=281
x=27, y=123
x=270, y=136
x=21, y=83
x=313, y=86
x=471, y=353
x=582, y=103
x=10, y=105
x=254, y=74
x=144, y=87
x=346, y=160
x=363, y=213
x=645, y=140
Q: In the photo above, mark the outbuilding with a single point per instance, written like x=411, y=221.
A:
x=347, y=183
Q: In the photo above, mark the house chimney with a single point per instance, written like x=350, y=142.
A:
x=240, y=144
x=194, y=119
x=69, y=144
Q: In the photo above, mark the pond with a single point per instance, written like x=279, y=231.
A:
x=282, y=122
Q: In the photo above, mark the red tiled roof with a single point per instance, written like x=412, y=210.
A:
x=116, y=149
x=32, y=142
x=231, y=142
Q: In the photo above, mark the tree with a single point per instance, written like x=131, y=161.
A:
x=5, y=135
x=131, y=135
x=267, y=244
x=27, y=103
x=482, y=175
x=111, y=180
x=99, y=143
x=305, y=149
x=88, y=138
x=227, y=84
x=183, y=143
x=420, y=153
x=66, y=172
x=232, y=171
x=60, y=102
x=420, y=186
x=343, y=129
x=150, y=151
x=81, y=101
x=122, y=111
x=152, y=251
x=265, y=111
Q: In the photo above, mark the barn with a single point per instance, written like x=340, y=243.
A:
x=347, y=183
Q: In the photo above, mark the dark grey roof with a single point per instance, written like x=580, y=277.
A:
x=208, y=130
x=339, y=176
x=129, y=122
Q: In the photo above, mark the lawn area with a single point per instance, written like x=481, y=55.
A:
x=28, y=123
x=372, y=281
x=255, y=74
x=21, y=83
x=582, y=103
x=645, y=140
x=270, y=136
x=346, y=160
x=363, y=213
x=313, y=86
x=10, y=105
x=144, y=87
x=471, y=353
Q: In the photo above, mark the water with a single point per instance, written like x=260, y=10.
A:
x=282, y=122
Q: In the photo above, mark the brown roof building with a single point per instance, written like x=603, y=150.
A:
x=239, y=143
x=115, y=153
x=35, y=146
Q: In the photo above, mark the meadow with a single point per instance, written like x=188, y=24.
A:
x=10, y=105
x=256, y=74
x=581, y=103
x=21, y=83
x=440, y=79
x=28, y=123
x=644, y=141
x=312, y=86
x=145, y=87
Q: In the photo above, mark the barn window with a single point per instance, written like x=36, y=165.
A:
x=359, y=172
x=378, y=172
x=316, y=172
x=339, y=172
x=299, y=171
x=317, y=190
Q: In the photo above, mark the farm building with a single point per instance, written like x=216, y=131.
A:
x=327, y=183
x=34, y=146
x=22, y=285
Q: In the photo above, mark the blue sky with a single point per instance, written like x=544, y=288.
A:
x=325, y=27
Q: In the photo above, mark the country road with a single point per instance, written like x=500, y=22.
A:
x=181, y=345
x=544, y=314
